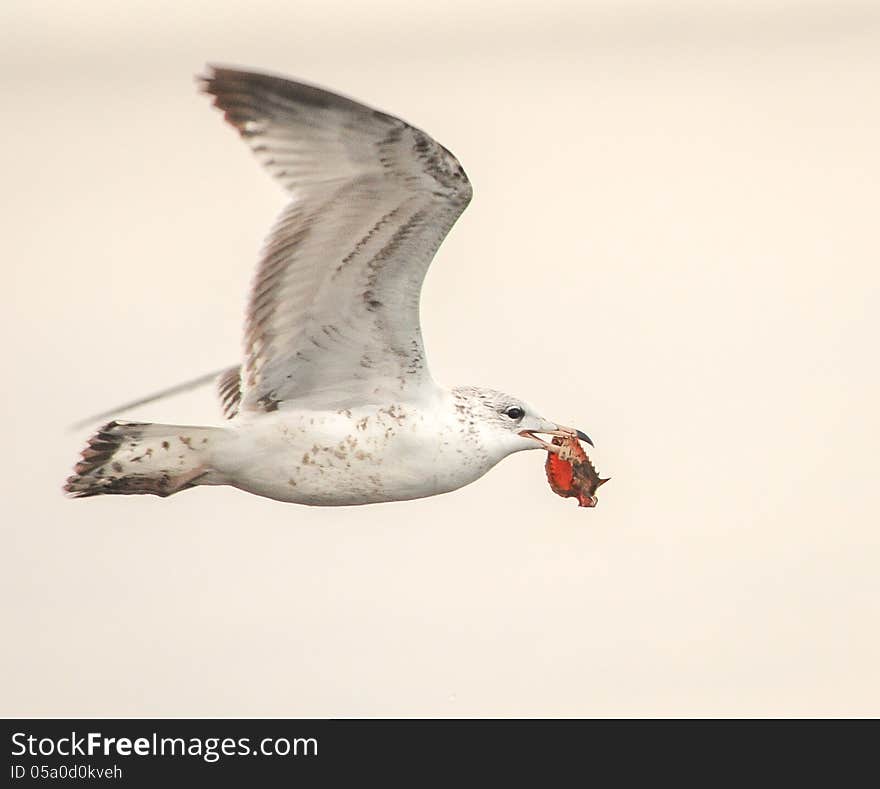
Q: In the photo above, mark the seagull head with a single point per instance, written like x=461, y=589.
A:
x=512, y=423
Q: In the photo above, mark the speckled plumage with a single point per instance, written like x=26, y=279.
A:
x=333, y=403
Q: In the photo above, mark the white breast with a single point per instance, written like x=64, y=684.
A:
x=354, y=456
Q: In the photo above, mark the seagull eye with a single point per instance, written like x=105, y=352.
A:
x=515, y=412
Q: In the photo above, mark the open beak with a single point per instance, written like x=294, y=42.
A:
x=550, y=429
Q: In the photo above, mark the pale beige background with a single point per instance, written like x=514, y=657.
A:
x=691, y=188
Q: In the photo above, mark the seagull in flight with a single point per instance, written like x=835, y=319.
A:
x=333, y=403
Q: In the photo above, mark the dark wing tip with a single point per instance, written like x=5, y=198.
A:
x=234, y=94
x=249, y=97
x=229, y=391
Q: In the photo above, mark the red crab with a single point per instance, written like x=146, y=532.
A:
x=571, y=474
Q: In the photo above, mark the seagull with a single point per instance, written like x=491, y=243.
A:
x=333, y=403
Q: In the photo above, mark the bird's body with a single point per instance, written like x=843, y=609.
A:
x=360, y=455
x=333, y=403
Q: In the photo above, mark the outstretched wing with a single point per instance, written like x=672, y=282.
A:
x=226, y=381
x=333, y=317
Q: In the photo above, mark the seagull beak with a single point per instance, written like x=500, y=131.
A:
x=584, y=437
x=550, y=429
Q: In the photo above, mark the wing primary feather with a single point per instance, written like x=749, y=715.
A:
x=186, y=386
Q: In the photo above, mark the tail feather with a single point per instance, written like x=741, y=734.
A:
x=142, y=458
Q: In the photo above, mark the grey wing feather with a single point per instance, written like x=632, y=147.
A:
x=222, y=377
x=333, y=313
x=229, y=391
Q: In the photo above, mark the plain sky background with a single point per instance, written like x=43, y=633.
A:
x=673, y=245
